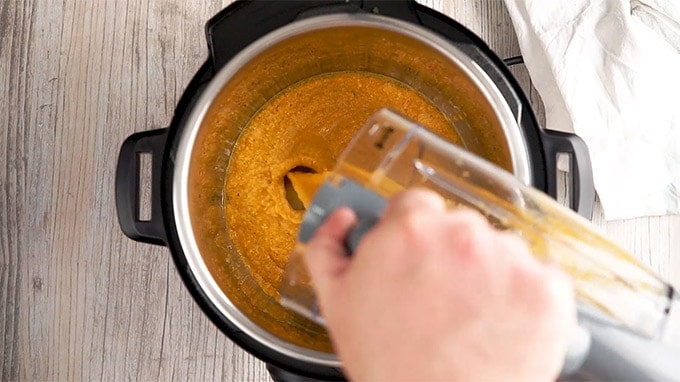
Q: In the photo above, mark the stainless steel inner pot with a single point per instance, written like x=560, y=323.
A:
x=306, y=48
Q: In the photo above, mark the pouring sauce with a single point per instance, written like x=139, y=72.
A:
x=305, y=126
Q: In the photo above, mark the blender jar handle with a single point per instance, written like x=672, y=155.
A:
x=581, y=170
x=150, y=231
x=368, y=207
x=366, y=204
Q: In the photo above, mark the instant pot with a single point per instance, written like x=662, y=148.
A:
x=257, y=49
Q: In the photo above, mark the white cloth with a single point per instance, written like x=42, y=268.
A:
x=609, y=70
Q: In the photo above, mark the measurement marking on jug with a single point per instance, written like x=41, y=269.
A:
x=387, y=132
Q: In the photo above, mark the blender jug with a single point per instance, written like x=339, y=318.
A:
x=391, y=153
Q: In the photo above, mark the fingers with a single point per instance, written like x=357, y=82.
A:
x=561, y=287
x=549, y=285
x=470, y=233
x=413, y=201
x=326, y=255
x=417, y=215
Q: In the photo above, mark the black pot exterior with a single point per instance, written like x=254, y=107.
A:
x=252, y=20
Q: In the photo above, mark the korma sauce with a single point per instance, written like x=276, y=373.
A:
x=305, y=126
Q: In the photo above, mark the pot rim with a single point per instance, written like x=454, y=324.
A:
x=180, y=195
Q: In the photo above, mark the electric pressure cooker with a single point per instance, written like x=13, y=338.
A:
x=257, y=49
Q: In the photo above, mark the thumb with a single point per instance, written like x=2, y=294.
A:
x=326, y=255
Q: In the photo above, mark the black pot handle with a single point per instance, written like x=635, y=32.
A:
x=127, y=187
x=582, y=186
x=281, y=375
x=238, y=25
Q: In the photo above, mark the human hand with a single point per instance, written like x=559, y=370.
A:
x=431, y=294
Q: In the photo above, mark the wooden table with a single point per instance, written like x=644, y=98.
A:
x=78, y=300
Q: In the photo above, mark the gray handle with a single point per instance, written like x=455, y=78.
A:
x=579, y=348
x=600, y=348
x=367, y=205
x=618, y=354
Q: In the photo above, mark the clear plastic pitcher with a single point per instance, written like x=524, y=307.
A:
x=391, y=154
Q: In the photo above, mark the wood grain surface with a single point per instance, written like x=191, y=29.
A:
x=78, y=300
